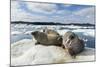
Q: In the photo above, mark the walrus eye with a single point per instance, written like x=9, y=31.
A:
x=43, y=30
x=71, y=37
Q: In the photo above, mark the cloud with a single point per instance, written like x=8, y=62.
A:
x=18, y=15
x=63, y=12
x=40, y=7
x=35, y=12
x=86, y=11
x=88, y=14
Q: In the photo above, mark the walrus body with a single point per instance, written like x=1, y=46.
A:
x=47, y=39
x=49, y=31
x=73, y=43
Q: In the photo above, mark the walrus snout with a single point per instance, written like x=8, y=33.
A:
x=71, y=37
x=68, y=37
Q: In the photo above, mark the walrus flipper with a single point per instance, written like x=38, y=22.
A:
x=72, y=53
x=36, y=43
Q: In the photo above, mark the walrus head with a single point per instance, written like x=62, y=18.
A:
x=73, y=43
x=68, y=37
x=35, y=34
x=39, y=36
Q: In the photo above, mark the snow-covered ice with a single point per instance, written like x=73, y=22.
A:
x=16, y=33
x=24, y=52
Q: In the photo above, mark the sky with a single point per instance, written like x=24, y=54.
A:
x=52, y=12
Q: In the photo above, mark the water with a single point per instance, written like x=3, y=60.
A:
x=22, y=31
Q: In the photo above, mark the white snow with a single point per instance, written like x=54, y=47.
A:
x=87, y=32
x=62, y=32
x=90, y=33
x=16, y=32
x=24, y=52
x=28, y=32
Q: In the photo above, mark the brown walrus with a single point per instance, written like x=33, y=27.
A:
x=73, y=43
x=49, y=31
x=47, y=39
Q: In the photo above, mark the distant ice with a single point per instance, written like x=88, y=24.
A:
x=15, y=32
x=87, y=32
x=28, y=32
x=23, y=31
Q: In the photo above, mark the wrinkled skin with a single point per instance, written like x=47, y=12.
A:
x=73, y=43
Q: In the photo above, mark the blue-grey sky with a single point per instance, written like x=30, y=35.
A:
x=52, y=12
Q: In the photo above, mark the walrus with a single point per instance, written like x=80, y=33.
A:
x=72, y=42
x=50, y=31
x=47, y=39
